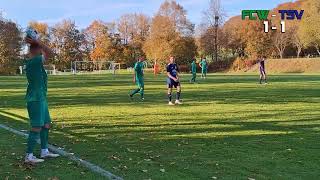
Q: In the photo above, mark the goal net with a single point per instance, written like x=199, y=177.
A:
x=95, y=67
x=50, y=69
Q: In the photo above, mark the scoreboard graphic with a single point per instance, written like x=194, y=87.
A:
x=285, y=15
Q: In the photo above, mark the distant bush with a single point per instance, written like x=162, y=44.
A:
x=243, y=64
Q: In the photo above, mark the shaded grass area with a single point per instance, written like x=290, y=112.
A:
x=12, y=166
x=229, y=127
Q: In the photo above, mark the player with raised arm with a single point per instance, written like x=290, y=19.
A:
x=262, y=68
x=193, y=71
x=204, y=68
x=36, y=98
x=173, y=80
x=138, y=78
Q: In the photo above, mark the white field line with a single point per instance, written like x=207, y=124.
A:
x=88, y=165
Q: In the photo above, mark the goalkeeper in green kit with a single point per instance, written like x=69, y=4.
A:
x=138, y=78
x=36, y=98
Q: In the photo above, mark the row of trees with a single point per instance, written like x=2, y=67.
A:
x=168, y=32
x=246, y=38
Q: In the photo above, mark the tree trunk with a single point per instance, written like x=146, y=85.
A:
x=281, y=54
x=298, y=51
x=318, y=50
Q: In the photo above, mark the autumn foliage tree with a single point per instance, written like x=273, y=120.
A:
x=42, y=29
x=99, y=40
x=171, y=34
x=309, y=30
x=10, y=46
x=66, y=41
x=134, y=29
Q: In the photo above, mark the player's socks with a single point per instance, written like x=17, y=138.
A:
x=32, y=141
x=134, y=92
x=44, y=136
x=142, y=93
x=170, y=97
x=178, y=95
x=260, y=81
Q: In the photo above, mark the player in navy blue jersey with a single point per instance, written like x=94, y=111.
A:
x=262, y=68
x=173, y=81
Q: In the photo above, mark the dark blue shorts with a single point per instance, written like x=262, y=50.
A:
x=171, y=83
x=262, y=70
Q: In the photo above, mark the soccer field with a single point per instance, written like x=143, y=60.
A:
x=229, y=127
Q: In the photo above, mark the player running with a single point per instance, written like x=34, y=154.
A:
x=263, y=75
x=173, y=80
x=193, y=71
x=204, y=68
x=36, y=98
x=138, y=78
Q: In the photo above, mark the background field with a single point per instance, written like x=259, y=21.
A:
x=296, y=65
x=228, y=128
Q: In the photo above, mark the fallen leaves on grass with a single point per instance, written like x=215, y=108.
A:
x=53, y=178
x=114, y=157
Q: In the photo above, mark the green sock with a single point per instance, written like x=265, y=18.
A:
x=135, y=92
x=142, y=92
x=32, y=141
x=44, y=138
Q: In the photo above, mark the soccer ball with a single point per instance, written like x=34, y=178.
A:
x=32, y=33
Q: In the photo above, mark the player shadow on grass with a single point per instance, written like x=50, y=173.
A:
x=257, y=151
x=206, y=96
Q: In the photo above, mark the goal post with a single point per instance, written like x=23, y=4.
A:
x=94, y=67
x=50, y=69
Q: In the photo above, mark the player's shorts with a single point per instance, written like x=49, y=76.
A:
x=262, y=70
x=38, y=113
x=171, y=83
x=140, y=82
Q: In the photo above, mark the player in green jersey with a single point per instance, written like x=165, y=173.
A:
x=204, y=68
x=36, y=98
x=138, y=78
x=193, y=71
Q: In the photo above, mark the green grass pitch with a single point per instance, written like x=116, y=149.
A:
x=228, y=128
